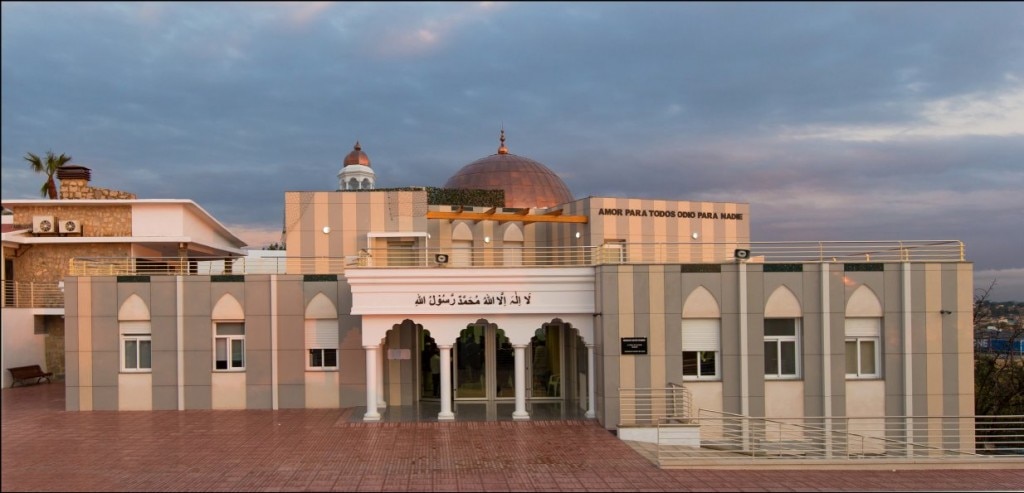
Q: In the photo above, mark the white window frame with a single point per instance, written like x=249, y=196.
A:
x=229, y=340
x=702, y=335
x=858, y=331
x=779, y=340
x=135, y=331
x=322, y=336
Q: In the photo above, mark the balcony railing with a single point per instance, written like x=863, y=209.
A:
x=650, y=406
x=731, y=438
x=32, y=294
x=587, y=255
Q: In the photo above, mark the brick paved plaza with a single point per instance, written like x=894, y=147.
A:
x=48, y=449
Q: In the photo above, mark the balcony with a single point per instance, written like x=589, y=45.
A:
x=33, y=294
x=570, y=256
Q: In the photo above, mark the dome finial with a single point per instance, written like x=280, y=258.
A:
x=357, y=147
x=502, y=149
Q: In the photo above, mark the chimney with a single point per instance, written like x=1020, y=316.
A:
x=74, y=181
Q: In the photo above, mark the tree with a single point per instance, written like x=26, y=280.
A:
x=50, y=166
x=998, y=366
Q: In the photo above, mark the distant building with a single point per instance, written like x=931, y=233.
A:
x=43, y=239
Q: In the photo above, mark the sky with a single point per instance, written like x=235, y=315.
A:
x=834, y=121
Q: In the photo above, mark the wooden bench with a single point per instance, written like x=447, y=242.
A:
x=24, y=373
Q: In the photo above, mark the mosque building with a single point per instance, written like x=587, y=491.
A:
x=501, y=289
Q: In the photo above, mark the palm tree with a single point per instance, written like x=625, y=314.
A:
x=49, y=167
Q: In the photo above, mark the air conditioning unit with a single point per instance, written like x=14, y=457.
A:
x=70, y=226
x=43, y=224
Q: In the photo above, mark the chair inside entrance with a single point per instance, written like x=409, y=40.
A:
x=553, y=385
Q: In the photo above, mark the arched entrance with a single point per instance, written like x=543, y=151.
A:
x=483, y=363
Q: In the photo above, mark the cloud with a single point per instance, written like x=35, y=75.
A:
x=1009, y=283
x=1000, y=114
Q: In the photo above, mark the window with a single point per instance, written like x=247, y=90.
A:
x=322, y=344
x=229, y=346
x=781, y=348
x=136, y=347
x=136, y=352
x=701, y=343
x=863, y=347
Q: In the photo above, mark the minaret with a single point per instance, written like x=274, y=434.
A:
x=356, y=173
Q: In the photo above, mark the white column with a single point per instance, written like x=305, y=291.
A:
x=908, y=380
x=446, y=413
x=371, y=384
x=826, y=356
x=180, y=321
x=591, y=399
x=520, y=355
x=274, y=399
x=380, y=379
x=744, y=355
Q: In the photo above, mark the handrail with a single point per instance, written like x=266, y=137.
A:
x=562, y=256
x=733, y=438
x=21, y=294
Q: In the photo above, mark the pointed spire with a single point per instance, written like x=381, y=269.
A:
x=502, y=149
x=357, y=146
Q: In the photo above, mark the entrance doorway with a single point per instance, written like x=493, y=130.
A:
x=484, y=364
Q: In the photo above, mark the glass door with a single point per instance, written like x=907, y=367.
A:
x=484, y=364
x=546, y=362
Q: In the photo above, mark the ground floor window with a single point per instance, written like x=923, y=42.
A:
x=701, y=345
x=863, y=347
x=322, y=344
x=229, y=346
x=136, y=346
x=136, y=352
x=781, y=348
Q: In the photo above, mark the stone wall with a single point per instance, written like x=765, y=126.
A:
x=71, y=189
x=54, y=345
x=103, y=220
x=51, y=263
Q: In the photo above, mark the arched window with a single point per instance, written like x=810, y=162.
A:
x=863, y=334
x=321, y=334
x=228, y=334
x=701, y=336
x=782, y=317
x=136, y=333
x=462, y=246
x=512, y=241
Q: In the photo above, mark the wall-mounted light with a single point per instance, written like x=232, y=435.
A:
x=695, y=235
x=944, y=312
x=487, y=239
x=327, y=229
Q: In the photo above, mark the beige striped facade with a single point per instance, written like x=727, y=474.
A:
x=926, y=355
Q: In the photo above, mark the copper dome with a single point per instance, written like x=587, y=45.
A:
x=526, y=182
x=357, y=156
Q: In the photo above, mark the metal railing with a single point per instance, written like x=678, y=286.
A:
x=650, y=406
x=611, y=253
x=726, y=437
x=18, y=294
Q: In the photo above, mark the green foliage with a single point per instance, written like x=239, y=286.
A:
x=276, y=246
x=465, y=197
x=49, y=167
x=451, y=196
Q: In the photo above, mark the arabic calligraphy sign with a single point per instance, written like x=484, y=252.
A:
x=497, y=299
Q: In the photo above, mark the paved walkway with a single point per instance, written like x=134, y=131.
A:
x=48, y=449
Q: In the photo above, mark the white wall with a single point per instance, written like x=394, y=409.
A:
x=21, y=346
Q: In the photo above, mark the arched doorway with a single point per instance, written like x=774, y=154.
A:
x=483, y=363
